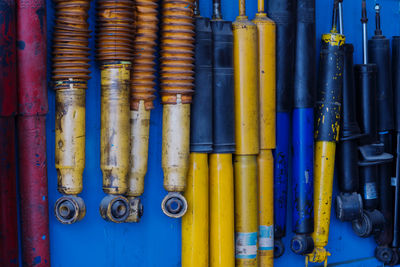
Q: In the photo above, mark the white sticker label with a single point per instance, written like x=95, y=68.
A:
x=266, y=237
x=246, y=245
x=370, y=191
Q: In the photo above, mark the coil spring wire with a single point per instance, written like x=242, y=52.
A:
x=70, y=44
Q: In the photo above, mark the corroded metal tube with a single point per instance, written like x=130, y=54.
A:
x=115, y=53
x=70, y=75
x=177, y=57
x=142, y=95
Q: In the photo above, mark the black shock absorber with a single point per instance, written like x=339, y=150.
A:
x=348, y=202
x=379, y=47
x=282, y=12
x=371, y=152
x=396, y=179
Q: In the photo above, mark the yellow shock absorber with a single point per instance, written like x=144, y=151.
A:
x=195, y=222
x=323, y=168
x=177, y=45
x=267, y=90
x=115, y=139
x=329, y=97
x=222, y=248
x=70, y=75
x=245, y=59
x=115, y=52
x=142, y=89
x=246, y=213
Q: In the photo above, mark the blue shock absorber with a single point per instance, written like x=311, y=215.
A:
x=283, y=13
x=281, y=173
x=302, y=177
x=303, y=128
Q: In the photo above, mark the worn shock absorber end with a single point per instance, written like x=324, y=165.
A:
x=69, y=209
x=177, y=58
x=386, y=255
x=175, y=160
x=328, y=107
x=115, y=135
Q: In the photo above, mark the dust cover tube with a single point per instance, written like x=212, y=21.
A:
x=177, y=65
x=396, y=88
x=245, y=59
x=303, y=128
x=114, y=53
x=33, y=107
x=221, y=168
x=142, y=95
x=283, y=13
x=195, y=226
x=70, y=75
x=267, y=118
x=327, y=124
x=8, y=109
x=348, y=202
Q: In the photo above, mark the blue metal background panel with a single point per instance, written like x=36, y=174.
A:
x=156, y=240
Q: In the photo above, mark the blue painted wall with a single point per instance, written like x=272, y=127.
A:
x=155, y=241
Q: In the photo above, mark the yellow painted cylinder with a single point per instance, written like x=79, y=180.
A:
x=324, y=164
x=140, y=127
x=195, y=228
x=267, y=80
x=246, y=210
x=266, y=208
x=70, y=139
x=245, y=59
x=175, y=145
x=115, y=127
x=222, y=248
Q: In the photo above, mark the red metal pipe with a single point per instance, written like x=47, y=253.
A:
x=32, y=110
x=8, y=110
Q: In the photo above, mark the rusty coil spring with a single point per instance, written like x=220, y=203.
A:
x=71, y=44
x=177, y=51
x=115, y=30
x=143, y=74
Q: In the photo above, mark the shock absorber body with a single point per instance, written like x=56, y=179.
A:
x=114, y=44
x=70, y=75
x=303, y=129
x=283, y=13
x=245, y=58
x=222, y=248
x=195, y=226
x=379, y=53
x=177, y=57
x=327, y=124
x=8, y=110
x=142, y=89
x=267, y=119
x=33, y=107
x=348, y=202
x=396, y=88
x=371, y=153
